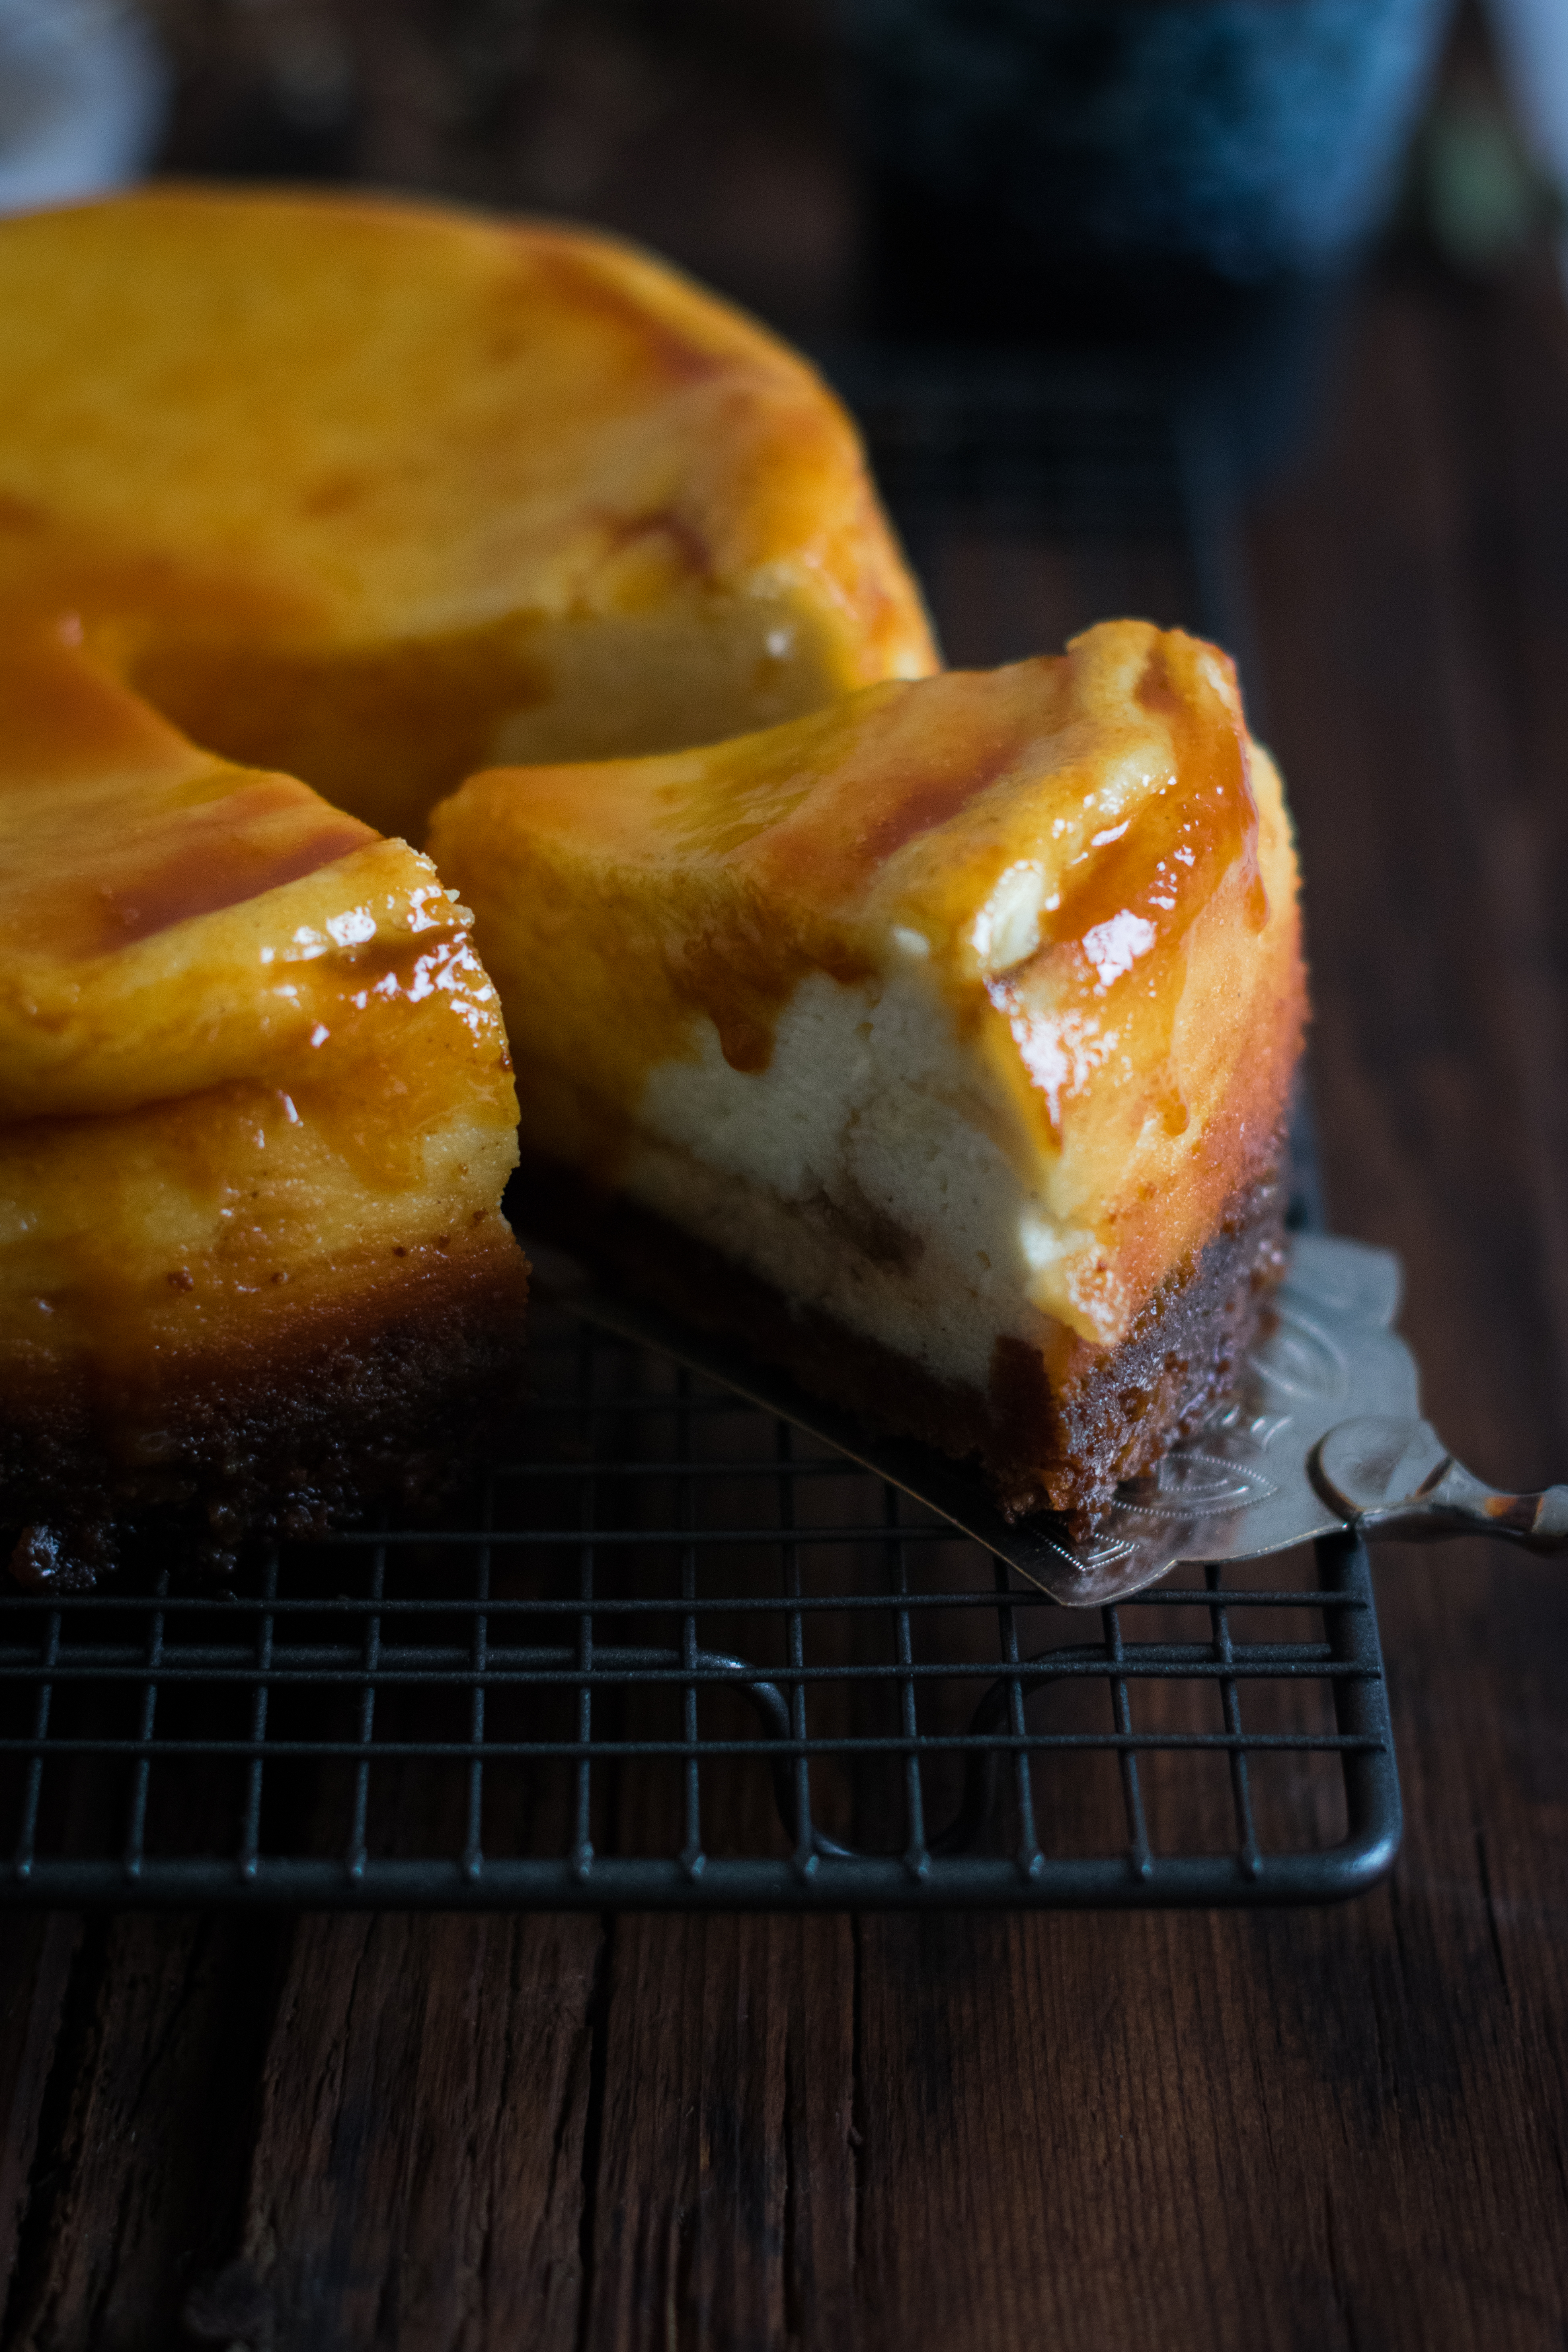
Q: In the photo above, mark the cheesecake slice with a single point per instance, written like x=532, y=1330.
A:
x=941, y=1042
x=257, y=1114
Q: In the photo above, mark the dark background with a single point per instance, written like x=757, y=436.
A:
x=710, y=131
x=1335, y=2130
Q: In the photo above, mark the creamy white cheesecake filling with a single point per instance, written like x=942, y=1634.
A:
x=863, y=1174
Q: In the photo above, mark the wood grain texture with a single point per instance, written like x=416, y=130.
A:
x=37, y=1956
x=417, y=2170
x=724, y=2201
x=1340, y=2129
x=148, y=2114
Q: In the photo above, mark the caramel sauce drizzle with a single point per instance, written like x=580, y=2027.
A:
x=1116, y=934
x=1150, y=883
x=196, y=861
x=177, y=835
x=928, y=754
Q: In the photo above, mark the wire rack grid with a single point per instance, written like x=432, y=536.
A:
x=673, y=1656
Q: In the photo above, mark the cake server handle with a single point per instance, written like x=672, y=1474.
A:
x=1397, y=1477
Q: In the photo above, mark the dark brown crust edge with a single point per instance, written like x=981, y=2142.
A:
x=1061, y=1445
x=379, y=1394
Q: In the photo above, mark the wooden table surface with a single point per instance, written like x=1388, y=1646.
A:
x=1343, y=2128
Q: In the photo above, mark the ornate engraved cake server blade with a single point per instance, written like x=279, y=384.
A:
x=1322, y=1431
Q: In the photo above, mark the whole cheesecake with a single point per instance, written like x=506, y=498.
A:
x=376, y=494
x=941, y=1042
x=355, y=497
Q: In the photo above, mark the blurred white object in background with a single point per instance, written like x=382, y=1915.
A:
x=1531, y=39
x=83, y=93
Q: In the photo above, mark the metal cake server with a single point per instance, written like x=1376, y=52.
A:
x=1322, y=1432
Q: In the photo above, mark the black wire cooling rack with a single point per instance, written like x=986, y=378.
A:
x=671, y=1653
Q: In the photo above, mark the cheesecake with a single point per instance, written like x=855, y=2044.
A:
x=939, y=1043
x=375, y=494
x=309, y=507
x=408, y=620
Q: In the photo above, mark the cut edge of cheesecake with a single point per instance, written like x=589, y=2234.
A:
x=1058, y=1440
x=276, y=1424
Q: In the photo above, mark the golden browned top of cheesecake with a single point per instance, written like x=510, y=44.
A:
x=1046, y=831
x=373, y=492
x=170, y=922
x=1079, y=868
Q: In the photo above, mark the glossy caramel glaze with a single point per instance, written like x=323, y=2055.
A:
x=169, y=922
x=113, y=828
x=256, y=1119
x=804, y=848
x=372, y=493
x=1071, y=860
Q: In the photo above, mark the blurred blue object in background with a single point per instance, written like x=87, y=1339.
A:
x=1532, y=41
x=1241, y=138
x=83, y=94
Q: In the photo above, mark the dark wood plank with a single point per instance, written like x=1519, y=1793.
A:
x=1226, y=2131
x=134, y=2184
x=724, y=2198
x=725, y=2203
x=417, y=2175
x=1403, y=593
x=37, y=1952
